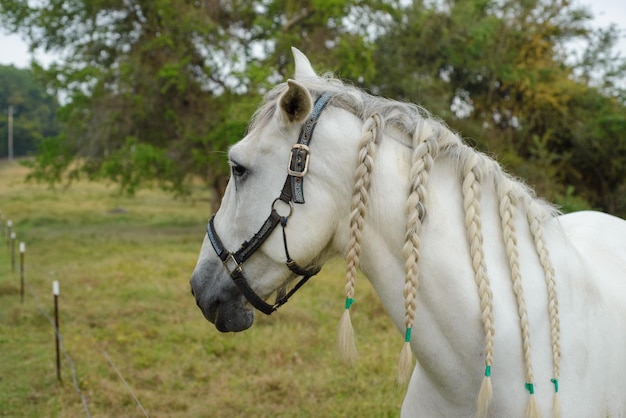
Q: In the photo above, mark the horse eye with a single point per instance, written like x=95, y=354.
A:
x=238, y=170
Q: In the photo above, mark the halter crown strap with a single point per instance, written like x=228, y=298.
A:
x=300, y=153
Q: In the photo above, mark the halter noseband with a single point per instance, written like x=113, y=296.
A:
x=292, y=192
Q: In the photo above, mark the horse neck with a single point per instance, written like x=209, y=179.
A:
x=447, y=310
x=460, y=206
x=445, y=271
x=396, y=183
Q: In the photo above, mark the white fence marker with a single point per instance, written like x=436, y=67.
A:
x=12, y=252
x=22, y=253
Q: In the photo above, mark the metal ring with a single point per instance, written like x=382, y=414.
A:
x=290, y=207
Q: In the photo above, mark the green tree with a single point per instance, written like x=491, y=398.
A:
x=155, y=91
x=499, y=72
x=33, y=111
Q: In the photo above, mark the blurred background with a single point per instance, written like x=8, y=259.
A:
x=134, y=102
x=146, y=92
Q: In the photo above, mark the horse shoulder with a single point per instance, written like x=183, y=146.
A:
x=590, y=264
x=599, y=240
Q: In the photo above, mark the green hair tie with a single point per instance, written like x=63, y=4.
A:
x=349, y=302
x=556, y=385
x=488, y=370
x=530, y=388
x=407, y=335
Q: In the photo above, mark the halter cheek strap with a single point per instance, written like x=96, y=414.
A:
x=300, y=154
x=292, y=192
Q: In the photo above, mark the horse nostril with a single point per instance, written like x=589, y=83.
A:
x=192, y=292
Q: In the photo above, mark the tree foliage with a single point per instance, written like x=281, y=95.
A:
x=33, y=111
x=156, y=91
x=500, y=73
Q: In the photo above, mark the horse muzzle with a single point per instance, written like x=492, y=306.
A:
x=225, y=307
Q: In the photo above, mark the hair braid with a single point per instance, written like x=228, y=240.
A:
x=507, y=217
x=471, y=205
x=367, y=145
x=553, y=304
x=407, y=119
x=421, y=162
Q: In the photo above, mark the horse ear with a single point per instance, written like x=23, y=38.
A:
x=304, y=69
x=296, y=103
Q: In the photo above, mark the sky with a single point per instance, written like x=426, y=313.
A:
x=14, y=51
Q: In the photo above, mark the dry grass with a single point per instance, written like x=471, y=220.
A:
x=124, y=291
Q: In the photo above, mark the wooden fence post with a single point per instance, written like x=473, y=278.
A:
x=56, y=292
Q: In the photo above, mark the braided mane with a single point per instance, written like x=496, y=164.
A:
x=431, y=141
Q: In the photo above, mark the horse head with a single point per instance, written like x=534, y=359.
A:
x=282, y=177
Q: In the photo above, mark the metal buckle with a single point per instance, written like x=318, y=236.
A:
x=231, y=264
x=296, y=150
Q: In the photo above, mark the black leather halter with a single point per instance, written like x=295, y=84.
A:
x=292, y=192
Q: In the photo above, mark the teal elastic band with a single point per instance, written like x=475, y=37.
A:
x=349, y=302
x=530, y=388
x=556, y=385
x=488, y=370
x=407, y=335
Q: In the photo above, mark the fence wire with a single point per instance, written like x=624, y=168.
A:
x=61, y=346
x=132, y=392
x=66, y=355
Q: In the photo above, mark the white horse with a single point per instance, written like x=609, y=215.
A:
x=510, y=309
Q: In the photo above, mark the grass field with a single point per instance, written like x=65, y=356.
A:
x=123, y=265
